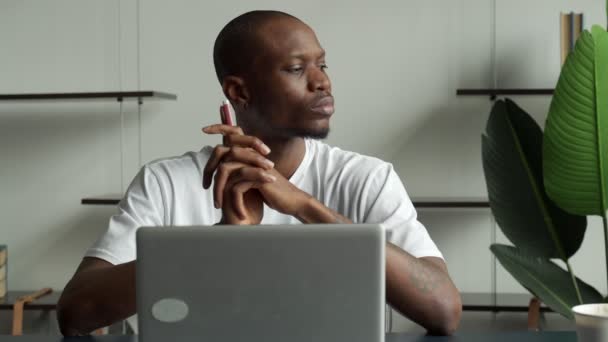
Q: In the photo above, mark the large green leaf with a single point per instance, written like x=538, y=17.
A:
x=576, y=132
x=512, y=163
x=545, y=279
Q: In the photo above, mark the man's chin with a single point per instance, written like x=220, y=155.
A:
x=313, y=134
x=293, y=132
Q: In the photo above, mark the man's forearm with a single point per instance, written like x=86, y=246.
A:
x=314, y=211
x=421, y=289
x=96, y=298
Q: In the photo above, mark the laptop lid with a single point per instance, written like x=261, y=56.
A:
x=278, y=283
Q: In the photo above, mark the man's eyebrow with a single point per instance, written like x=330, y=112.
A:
x=302, y=55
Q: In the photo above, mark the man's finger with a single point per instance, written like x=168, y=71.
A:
x=223, y=129
x=238, y=193
x=216, y=157
x=237, y=172
x=249, y=157
x=221, y=177
x=247, y=141
x=233, y=154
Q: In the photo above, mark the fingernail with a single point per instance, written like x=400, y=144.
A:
x=269, y=177
x=216, y=204
x=265, y=149
x=269, y=163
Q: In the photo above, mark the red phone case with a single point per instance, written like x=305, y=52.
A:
x=225, y=114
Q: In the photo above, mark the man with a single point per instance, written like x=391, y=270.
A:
x=268, y=170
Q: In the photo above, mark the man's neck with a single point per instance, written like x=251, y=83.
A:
x=287, y=154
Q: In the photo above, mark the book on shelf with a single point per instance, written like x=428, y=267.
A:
x=3, y=281
x=3, y=270
x=571, y=27
x=577, y=27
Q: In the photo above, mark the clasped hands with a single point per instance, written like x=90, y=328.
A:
x=245, y=179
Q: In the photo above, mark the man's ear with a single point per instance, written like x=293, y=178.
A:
x=236, y=90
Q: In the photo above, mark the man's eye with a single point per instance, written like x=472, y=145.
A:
x=295, y=70
x=323, y=66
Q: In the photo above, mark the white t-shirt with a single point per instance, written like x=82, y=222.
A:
x=169, y=192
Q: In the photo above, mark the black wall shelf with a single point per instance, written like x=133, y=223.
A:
x=117, y=95
x=112, y=199
x=447, y=202
x=493, y=93
x=422, y=203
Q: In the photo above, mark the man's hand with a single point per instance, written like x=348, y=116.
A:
x=235, y=184
x=250, y=208
x=236, y=147
x=259, y=174
x=282, y=196
x=278, y=193
x=240, y=165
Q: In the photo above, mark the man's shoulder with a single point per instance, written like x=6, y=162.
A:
x=337, y=158
x=193, y=161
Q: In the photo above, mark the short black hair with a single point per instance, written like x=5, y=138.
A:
x=235, y=45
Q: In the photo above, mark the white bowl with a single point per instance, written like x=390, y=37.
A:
x=591, y=322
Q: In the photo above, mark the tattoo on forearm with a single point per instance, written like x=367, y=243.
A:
x=424, y=278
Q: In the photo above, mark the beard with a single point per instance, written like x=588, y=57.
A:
x=317, y=134
x=262, y=126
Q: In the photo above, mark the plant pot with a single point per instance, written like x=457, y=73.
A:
x=591, y=322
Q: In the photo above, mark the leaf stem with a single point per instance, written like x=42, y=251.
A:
x=605, y=243
x=574, y=282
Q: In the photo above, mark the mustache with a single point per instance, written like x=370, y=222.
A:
x=321, y=97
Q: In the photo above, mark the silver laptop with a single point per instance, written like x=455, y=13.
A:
x=283, y=283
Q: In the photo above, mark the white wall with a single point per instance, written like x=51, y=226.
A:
x=395, y=67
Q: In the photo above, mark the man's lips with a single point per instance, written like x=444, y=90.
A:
x=324, y=106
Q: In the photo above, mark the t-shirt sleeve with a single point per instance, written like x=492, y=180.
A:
x=142, y=205
x=393, y=209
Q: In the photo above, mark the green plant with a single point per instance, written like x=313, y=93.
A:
x=542, y=188
x=541, y=231
x=575, y=151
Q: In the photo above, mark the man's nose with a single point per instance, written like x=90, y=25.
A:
x=319, y=81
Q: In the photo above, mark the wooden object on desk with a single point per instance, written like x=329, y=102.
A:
x=498, y=302
x=506, y=302
x=18, y=308
x=48, y=302
x=534, y=314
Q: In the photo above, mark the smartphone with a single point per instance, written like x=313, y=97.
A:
x=226, y=113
